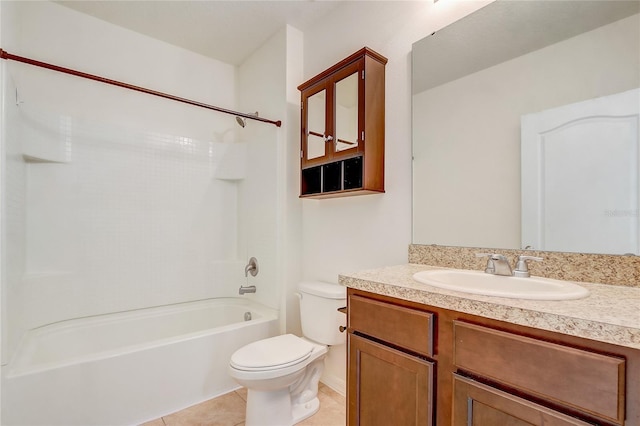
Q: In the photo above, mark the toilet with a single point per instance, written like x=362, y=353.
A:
x=281, y=373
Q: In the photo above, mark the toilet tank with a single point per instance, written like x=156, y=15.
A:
x=319, y=303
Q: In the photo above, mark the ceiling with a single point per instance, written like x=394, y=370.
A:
x=229, y=31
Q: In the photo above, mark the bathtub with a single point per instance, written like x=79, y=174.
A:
x=127, y=368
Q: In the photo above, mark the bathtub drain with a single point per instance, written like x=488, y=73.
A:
x=247, y=316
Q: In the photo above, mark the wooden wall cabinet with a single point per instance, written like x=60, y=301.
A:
x=342, y=128
x=479, y=371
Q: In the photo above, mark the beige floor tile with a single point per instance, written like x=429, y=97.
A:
x=242, y=392
x=229, y=410
x=332, y=394
x=331, y=413
x=225, y=410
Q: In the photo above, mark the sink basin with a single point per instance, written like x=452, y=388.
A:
x=476, y=282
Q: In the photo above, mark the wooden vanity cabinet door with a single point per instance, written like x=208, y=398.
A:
x=401, y=326
x=387, y=386
x=590, y=382
x=476, y=404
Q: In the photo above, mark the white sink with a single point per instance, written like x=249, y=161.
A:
x=476, y=282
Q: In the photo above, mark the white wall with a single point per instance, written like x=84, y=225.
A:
x=291, y=220
x=125, y=211
x=474, y=123
x=2, y=212
x=269, y=215
x=331, y=244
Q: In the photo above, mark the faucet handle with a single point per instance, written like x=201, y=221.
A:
x=522, y=269
x=251, y=268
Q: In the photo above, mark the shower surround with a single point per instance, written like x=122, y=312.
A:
x=114, y=200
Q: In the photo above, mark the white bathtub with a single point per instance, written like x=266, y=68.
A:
x=127, y=368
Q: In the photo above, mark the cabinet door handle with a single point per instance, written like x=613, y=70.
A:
x=328, y=138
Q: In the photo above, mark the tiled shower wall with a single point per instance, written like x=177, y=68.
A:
x=121, y=220
x=14, y=217
x=113, y=200
x=139, y=212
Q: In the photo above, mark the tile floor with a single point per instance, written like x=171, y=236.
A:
x=228, y=410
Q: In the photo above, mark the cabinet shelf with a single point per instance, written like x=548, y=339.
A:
x=338, y=176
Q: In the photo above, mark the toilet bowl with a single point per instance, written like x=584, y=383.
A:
x=281, y=373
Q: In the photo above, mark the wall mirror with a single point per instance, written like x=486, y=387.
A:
x=474, y=84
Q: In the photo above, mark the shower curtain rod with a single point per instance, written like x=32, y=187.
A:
x=6, y=55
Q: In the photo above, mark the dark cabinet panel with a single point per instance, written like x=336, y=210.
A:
x=590, y=382
x=477, y=404
x=388, y=386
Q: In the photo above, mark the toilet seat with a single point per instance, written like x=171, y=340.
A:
x=272, y=354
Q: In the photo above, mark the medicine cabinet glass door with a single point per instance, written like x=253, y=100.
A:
x=346, y=124
x=316, y=124
x=331, y=116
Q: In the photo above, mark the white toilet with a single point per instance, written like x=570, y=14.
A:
x=282, y=373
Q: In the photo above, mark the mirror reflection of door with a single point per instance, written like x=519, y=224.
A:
x=316, y=121
x=580, y=176
x=346, y=124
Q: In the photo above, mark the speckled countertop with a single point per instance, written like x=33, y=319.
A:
x=609, y=314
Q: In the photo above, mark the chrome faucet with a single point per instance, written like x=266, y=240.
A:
x=251, y=268
x=497, y=264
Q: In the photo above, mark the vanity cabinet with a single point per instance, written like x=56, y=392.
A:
x=342, y=128
x=483, y=372
x=390, y=376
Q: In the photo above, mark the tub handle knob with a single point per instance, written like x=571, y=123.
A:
x=251, y=268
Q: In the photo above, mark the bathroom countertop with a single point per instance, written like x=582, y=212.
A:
x=609, y=314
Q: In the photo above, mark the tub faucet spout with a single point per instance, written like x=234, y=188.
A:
x=246, y=289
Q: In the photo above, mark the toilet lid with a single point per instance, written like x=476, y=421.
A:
x=272, y=353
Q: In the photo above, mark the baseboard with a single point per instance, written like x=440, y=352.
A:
x=338, y=384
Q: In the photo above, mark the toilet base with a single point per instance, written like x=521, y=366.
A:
x=269, y=408
x=306, y=410
x=279, y=411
